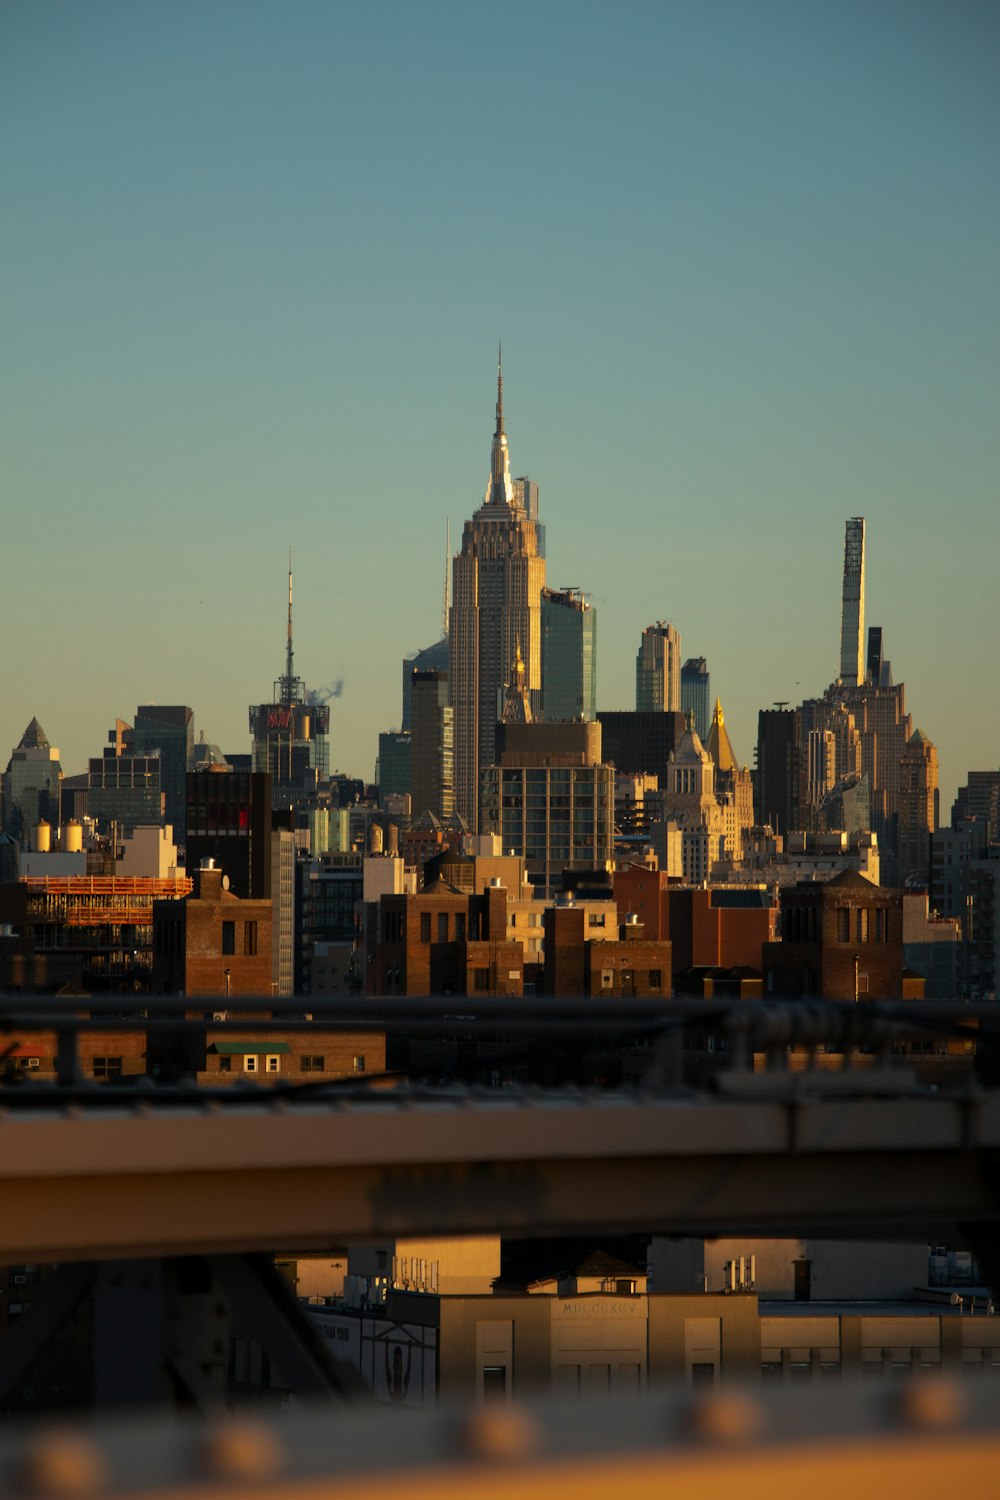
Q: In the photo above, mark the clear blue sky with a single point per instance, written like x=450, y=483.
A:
x=256, y=259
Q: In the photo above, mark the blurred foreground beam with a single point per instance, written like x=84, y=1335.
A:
x=190, y=1178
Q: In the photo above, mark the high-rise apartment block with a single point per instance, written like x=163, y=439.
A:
x=551, y=798
x=569, y=655
x=852, y=617
x=498, y=577
x=696, y=694
x=658, y=670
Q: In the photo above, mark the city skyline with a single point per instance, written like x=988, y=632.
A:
x=747, y=292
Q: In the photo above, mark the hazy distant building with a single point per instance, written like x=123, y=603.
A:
x=526, y=495
x=569, y=655
x=821, y=765
x=918, y=809
x=498, y=577
x=639, y=744
x=124, y=788
x=852, y=616
x=169, y=730
x=31, y=783
x=658, y=670
x=776, y=782
x=879, y=669
x=432, y=749
x=696, y=694
x=979, y=798
x=847, y=807
x=392, y=774
x=431, y=659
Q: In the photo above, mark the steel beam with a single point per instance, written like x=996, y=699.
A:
x=107, y=1182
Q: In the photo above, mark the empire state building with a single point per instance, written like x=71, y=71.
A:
x=497, y=580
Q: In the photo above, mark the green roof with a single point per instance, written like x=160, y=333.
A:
x=259, y=1047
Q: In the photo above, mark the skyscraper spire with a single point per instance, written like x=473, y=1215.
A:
x=500, y=490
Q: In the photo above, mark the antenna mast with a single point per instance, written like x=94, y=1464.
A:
x=447, y=580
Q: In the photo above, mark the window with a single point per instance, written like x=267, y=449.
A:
x=107, y=1067
x=359, y=1063
x=494, y=1382
x=225, y=1064
x=460, y=926
x=862, y=928
x=425, y=926
x=250, y=939
x=481, y=979
x=311, y=1064
x=442, y=926
x=843, y=924
x=655, y=979
x=250, y=1062
x=229, y=937
x=273, y=1063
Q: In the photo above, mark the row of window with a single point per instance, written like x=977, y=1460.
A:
x=270, y=1062
x=864, y=929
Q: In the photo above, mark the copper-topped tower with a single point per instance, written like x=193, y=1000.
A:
x=498, y=578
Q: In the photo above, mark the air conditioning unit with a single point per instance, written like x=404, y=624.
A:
x=19, y=1280
x=31, y=1062
x=220, y=1015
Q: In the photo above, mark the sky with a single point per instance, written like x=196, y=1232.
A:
x=256, y=260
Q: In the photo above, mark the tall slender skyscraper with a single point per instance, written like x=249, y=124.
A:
x=852, y=614
x=498, y=578
x=658, y=670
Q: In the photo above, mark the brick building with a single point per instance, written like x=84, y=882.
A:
x=444, y=941
x=213, y=943
x=578, y=965
x=841, y=939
